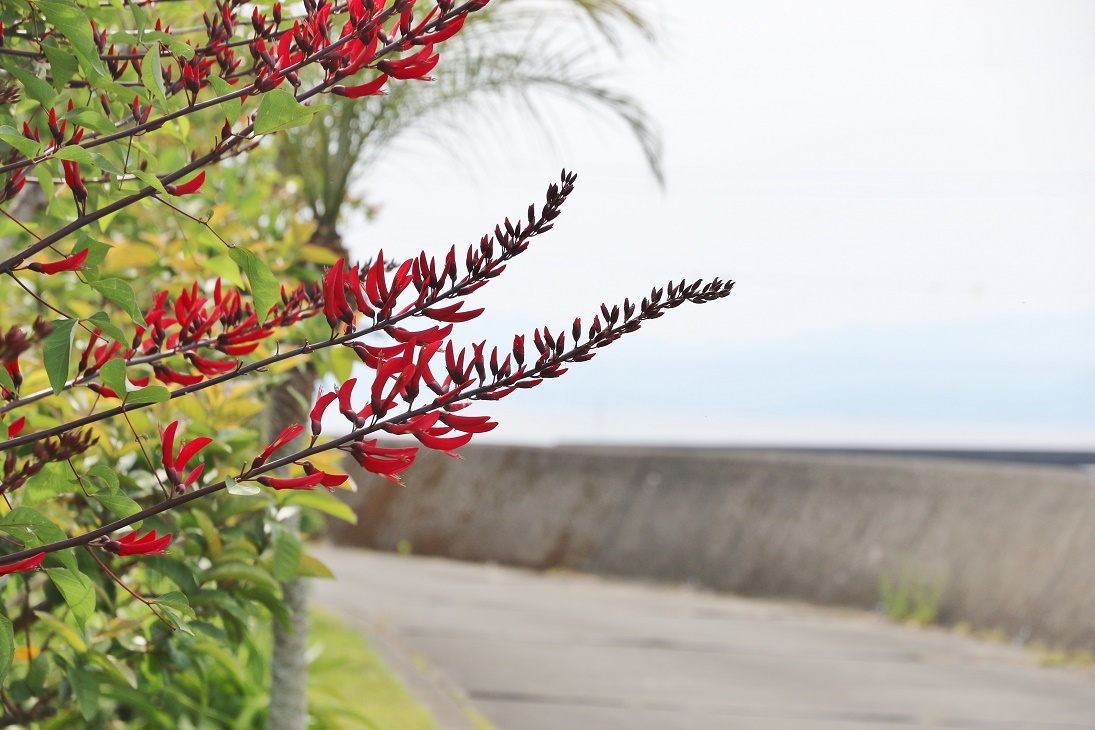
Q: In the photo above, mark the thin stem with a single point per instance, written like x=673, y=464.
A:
x=19, y=223
x=194, y=218
x=128, y=590
x=39, y=299
x=151, y=465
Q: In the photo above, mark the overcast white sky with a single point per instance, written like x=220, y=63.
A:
x=902, y=190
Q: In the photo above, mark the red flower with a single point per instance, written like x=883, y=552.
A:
x=313, y=477
x=415, y=66
x=16, y=426
x=451, y=313
x=132, y=545
x=173, y=465
x=69, y=263
x=288, y=434
x=188, y=187
x=316, y=415
x=372, y=88
x=384, y=461
x=23, y=566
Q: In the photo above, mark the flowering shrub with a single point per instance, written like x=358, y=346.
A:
x=124, y=604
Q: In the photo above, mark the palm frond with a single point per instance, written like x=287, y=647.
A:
x=516, y=53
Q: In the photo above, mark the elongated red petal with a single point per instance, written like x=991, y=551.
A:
x=469, y=424
x=148, y=545
x=450, y=314
x=187, y=188
x=23, y=565
x=16, y=426
x=333, y=480
x=316, y=414
x=443, y=443
x=186, y=453
x=444, y=34
x=305, y=482
x=372, y=88
x=69, y=263
x=193, y=475
x=167, y=443
x=288, y=434
x=344, y=394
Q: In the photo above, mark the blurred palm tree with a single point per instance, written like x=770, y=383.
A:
x=513, y=53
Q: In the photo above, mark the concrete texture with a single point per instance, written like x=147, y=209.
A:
x=544, y=652
x=1011, y=545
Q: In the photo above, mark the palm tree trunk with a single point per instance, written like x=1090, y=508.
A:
x=289, y=681
x=289, y=677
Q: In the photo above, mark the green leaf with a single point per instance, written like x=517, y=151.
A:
x=116, y=668
x=35, y=530
x=97, y=250
x=140, y=20
x=78, y=591
x=280, y=110
x=7, y=647
x=92, y=120
x=103, y=474
x=46, y=171
x=100, y=161
x=100, y=320
x=311, y=567
x=68, y=634
x=177, y=47
x=85, y=686
x=122, y=37
x=55, y=352
x=5, y=379
x=34, y=87
x=177, y=571
x=232, y=107
x=28, y=147
x=323, y=502
x=119, y=504
x=269, y=598
x=176, y=601
x=225, y=268
x=288, y=551
x=234, y=571
x=241, y=490
x=265, y=289
x=62, y=66
x=214, y=546
x=149, y=179
x=152, y=75
x=68, y=18
x=54, y=479
x=121, y=293
x=112, y=373
x=149, y=394
x=74, y=153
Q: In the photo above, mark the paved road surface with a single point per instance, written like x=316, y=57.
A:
x=561, y=652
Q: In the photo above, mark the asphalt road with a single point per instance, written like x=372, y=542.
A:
x=562, y=651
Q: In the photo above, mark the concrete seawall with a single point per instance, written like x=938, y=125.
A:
x=1012, y=546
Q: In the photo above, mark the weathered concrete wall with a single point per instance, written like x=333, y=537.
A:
x=1014, y=545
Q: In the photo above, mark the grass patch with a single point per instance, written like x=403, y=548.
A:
x=349, y=688
x=910, y=599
